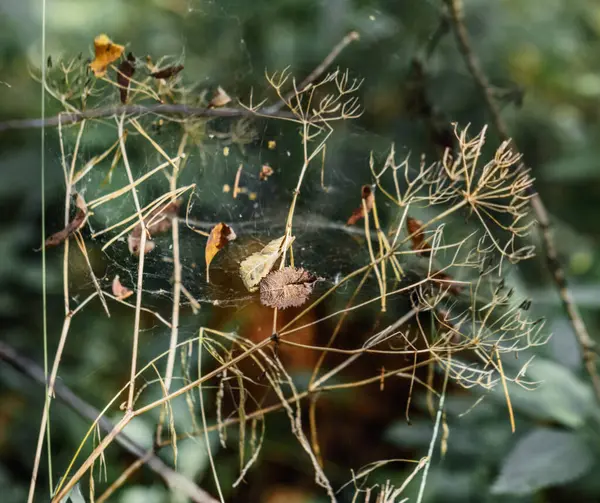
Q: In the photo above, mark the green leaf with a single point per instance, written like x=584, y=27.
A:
x=559, y=395
x=544, y=457
x=74, y=495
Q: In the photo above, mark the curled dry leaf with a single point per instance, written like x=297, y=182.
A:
x=287, y=287
x=157, y=222
x=119, y=291
x=168, y=72
x=358, y=213
x=265, y=172
x=258, y=265
x=219, y=236
x=73, y=226
x=220, y=98
x=126, y=71
x=106, y=52
x=419, y=243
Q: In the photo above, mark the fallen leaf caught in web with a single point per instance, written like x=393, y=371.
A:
x=168, y=72
x=220, y=99
x=119, y=291
x=73, y=226
x=126, y=71
x=265, y=172
x=106, y=52
x=219, y=236
x=287, y=287
x=259, y=264
x=358, y=213
x=419, y=243
x=134, y=243
x=157, y=222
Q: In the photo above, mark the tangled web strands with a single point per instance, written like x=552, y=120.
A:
x=468, y=213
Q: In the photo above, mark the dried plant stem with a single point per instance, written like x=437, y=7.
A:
x=46, y=413
x=149, y=458
x=586, y=343
x=176, y=271
x=140, y=271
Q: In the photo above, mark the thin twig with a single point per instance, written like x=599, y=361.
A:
x=67, y=118
x=316, y=73
x=172, y=478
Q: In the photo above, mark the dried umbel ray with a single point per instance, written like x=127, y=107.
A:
x=497, y=192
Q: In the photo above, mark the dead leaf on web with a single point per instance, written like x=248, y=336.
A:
x=119, y=291
x=168, y=72
x=73, y=226
x=219, y=236
x=419, y=243
x=157, y=222
x=358, y=213
x=126, y=71
x=220, y=99
x=258, y=265
x=106, y=52
x=287, y=287
x=265, y=172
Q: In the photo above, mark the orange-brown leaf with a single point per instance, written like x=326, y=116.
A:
x=119, y=291
x=168, y=72
x=358, y=213
x=419, y=243
x=287, y=287
x=106, y=52
x=219, y=236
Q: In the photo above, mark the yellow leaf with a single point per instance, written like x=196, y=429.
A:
x=258, y=265
x=219, y=236
x=106, y=52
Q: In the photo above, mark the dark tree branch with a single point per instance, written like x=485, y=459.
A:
x=172, y=478
x=587, y=345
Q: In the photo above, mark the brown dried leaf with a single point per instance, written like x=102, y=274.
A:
x=126, y=71
x=265, y=172
x=258, y=265
x=73, y=226
x=220, y=98
x=106, y=52
x=119, y=291
x=219, y=236
x=168, y=72
x=358, y=213
x=157, y=222
x=134, y=243
x=287, y=287
x=419, y=243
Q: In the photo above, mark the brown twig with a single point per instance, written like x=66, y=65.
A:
x=66, y=118
x=172, y=478
x=587, y=345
